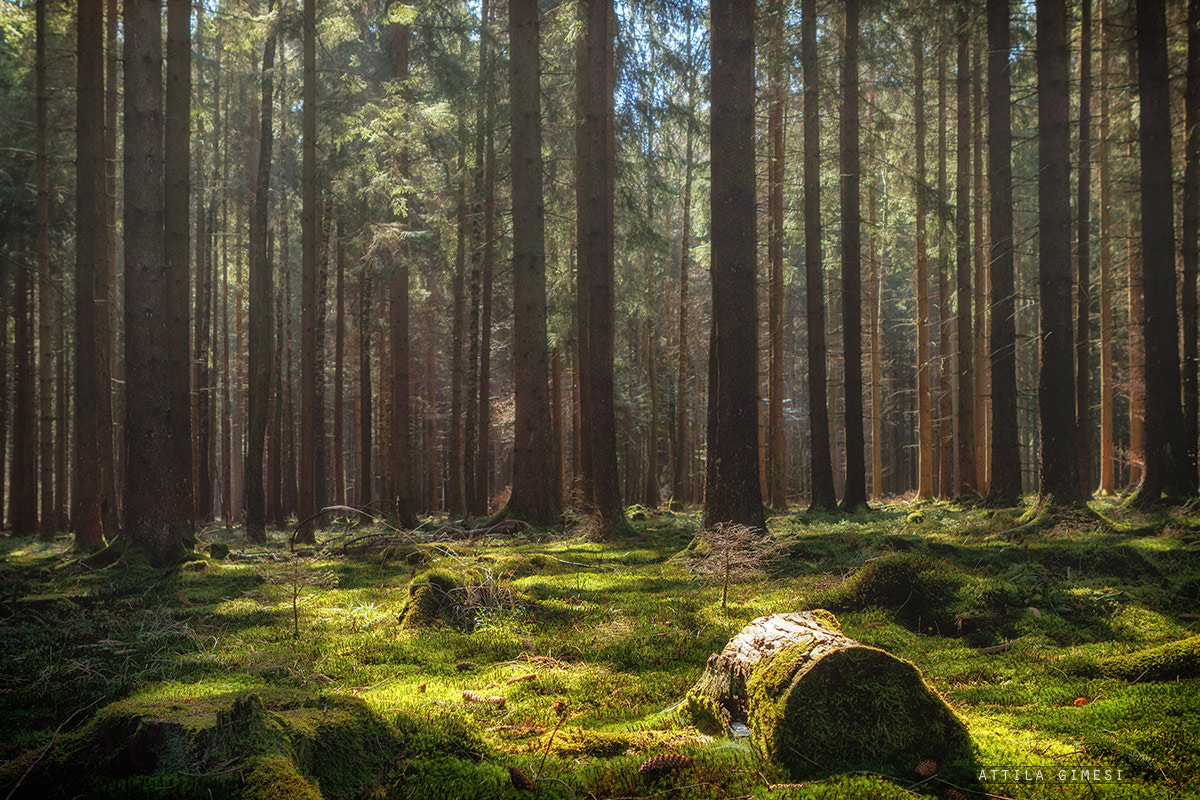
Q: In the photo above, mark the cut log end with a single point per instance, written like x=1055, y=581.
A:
x=818, y=702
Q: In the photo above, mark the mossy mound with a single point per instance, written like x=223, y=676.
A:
x=1162, y=663
x=921, y=591
x=520, y=565
x=592, y=744
x=858, y=708
x=432, y=594
x=266, y=743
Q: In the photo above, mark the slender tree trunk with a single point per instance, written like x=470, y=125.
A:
x=776, y=445
x=275, y=512
x=456, y=501
x=1133, y=270
x=1170, y=470
x=535, y=476
x=22, y=487
x=945, y=411
x=108, y=436
x=732, y=491
x=45, y=289
x=1083, y=257
x=177, y=222
x=596, y=167
x=483, y=461
x=259, y=394
x=91, y=226
x=1108, y=479
x=556, y=417
x=1005, y=484
x=401, y=445
x=1056, y=386
x=823, y=497
x=967, y=483
x=682, y=456
x=432, y=472
x=925, y=450
x=874, y=302
x=307, y=509
x=227, y=397
x=856, y=469
x=365, y=493
x=339, y=367
x=980, y=281
x=1191, y=240
x=156, y=515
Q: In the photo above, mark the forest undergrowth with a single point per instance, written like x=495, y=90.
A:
x=432, y=664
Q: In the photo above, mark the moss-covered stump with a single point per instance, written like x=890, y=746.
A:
x=432, y=595
x=820, y=703
x=268, y=743
x=1162, y=663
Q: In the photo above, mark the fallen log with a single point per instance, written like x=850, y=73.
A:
x=817, y=702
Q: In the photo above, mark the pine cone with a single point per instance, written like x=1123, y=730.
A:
x=497, y=701
x=953, y=794
x=473, y=697
x=927, y=768
x=520, y=780
x=662, y=763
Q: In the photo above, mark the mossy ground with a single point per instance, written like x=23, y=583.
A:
x=617, y=633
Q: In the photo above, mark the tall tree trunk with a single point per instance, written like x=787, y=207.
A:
x=1005, y=484
x=365, y=475
x=1167, y=469
x=22, y=487
x=556, y=418
x=401, y=418
x=307, y=509
x=275, y=452
x=681, y=458
x=90, y=226
x=1059, y=477
x=177, y=222
x=226, y=393
x=432, y=473
x=732, y=492
x=1133, y=271
x=856, y=468
x=483, y=461
x=535, y=476
x=1083, y=256
x=45, y=289
x=1191, y=240
x=967, y=483
x=259, y=390
x=980, y=281
x=823, y=497
x=1108, y=478
x=456, y=501
x=156, y=482
x=925, y=449
x=339, y=368
x=108, y=435
x=595, y=175
x=875, y=309
x=776, y=445
x=945, y=419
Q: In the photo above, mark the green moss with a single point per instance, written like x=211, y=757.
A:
x=853, y=709
x=428, y=594
x=706, y=714
x=1163, y=663
x=921, y=591
x=584, y=742
x=273, y=777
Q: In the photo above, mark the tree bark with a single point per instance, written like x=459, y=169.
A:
x=776, y=445
x=90, y=226
x=365, y=475
x=1170, y=470
x=535, y=477
x=339, y=366
x=1059, y=475
x=681, y=458
x=732, y=492
x=823, y=496
x=45, y=290
x=456, y=501
x=307, y=508
x=155, y=515
x=1191, y=241
x=259, y=389
x=110, y=438
x=1083, y=257
x=1005, y=454
x=966, y=483
x=1108, y=478
x=925, y=450
x=945, y=418
x=595, y=175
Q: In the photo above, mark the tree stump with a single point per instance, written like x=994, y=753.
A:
x=817, y=702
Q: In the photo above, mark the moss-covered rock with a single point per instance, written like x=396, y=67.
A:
x=273, y=777
x=857, y=708
x=921, y=591
x=1162, y=663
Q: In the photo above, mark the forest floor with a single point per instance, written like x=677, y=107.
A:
x=567, y=659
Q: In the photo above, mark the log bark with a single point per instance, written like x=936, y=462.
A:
x=819, y=702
